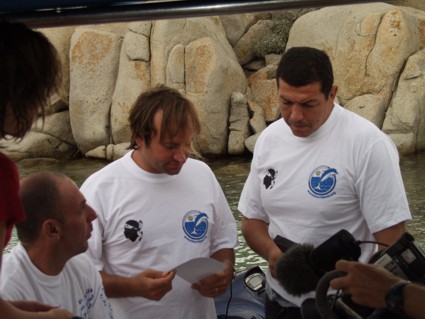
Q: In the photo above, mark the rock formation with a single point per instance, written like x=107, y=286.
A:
x=377, y=51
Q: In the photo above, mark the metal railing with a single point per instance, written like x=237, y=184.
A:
x=154, y=10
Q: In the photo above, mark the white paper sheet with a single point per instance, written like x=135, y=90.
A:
x=199, y=268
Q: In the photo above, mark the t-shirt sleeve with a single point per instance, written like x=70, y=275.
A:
x=95, y=248
x=226, y=234
x=250, y=204
x=380, y=187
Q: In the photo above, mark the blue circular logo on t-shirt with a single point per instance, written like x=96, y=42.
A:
x=195, y=225
x=322, y=180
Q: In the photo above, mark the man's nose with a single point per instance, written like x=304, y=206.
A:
x=181, y=154
x=91, y=215
x=296, y=113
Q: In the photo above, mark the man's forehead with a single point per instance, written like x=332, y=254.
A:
x=307, y=92
x=178, y=137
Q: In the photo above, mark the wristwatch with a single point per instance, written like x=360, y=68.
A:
x=394, y=297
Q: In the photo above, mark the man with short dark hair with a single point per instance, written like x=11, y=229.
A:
x=332, y=170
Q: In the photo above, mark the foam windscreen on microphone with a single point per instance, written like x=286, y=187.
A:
x=294, y=271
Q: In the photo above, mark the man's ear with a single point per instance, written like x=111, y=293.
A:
x=140, y=142
x=333, y=92
x=51, y=228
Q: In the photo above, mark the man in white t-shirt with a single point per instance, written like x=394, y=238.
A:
x=47, y=265
x=157, y=208
x=319, y=169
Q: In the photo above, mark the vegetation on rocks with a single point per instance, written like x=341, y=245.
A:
x=275, y=41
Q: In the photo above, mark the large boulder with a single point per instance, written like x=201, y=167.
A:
x=264, y=91
x=194, y=55
x=369, y=45
x=61, y=40
x=238, y=124
x=236, y=25
x=94, y=57
x=244, y=48
x=405, y=120
x=51, y=139
x=133, y=78
x=375, y=49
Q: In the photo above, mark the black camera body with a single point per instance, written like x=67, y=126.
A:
x=304, y=268
x=403, y=258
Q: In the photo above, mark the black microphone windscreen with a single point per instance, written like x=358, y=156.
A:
x=294, y=271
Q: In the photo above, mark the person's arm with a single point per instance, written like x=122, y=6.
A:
x=27, y=305
x=9, y=311
x=149, y=284
x=390, y=235
x=413, y=306
x=257, y=237
x=216, y=284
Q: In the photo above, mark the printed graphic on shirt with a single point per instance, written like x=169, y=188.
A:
x=322, y=182
x=133, y=230
x=106, y=303
x=195, y=225
x=270, y=178
x=86, y=303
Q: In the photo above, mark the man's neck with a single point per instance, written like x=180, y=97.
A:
x=46, y=259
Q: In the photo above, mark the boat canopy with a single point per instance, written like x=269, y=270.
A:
x=51, y=13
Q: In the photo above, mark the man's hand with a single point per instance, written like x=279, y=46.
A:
x=216, y=284
x=367, y=284
x=153, y=284
x=14, y=309
x=31, y=305
x=58, y=313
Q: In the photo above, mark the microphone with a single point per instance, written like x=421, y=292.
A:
x=302, y=265
x=295, y=272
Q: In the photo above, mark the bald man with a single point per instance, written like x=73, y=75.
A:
x=47, y=265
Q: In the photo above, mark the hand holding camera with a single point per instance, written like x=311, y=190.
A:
x=366, y=283
x=383, y=279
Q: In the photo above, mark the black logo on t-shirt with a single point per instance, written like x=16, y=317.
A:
x=270, y=178
x=133, y=230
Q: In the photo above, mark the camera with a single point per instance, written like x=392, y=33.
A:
x=403, y=258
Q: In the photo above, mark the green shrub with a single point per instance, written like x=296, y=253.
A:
x=275, y=41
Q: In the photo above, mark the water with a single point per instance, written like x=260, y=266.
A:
x=413, y=171
x=231, y=174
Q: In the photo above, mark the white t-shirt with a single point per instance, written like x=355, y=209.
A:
x=78, y=288
x=158, y=221
x=345, y=175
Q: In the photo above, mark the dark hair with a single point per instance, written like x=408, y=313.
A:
x=301, y=66
x=40, y=197
x=30, y=71
x=179, y=114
